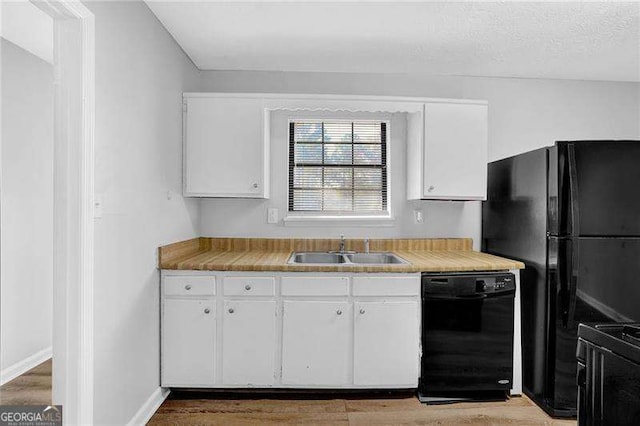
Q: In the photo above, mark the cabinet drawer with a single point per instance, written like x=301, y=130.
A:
x=315, y=286
x=193, y=285
x=386, y=286
x=249, y=286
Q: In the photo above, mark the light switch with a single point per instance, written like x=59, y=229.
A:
x=272, y=215
x=417, y=216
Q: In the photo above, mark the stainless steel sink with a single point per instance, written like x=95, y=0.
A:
x=375, y=258
x=315, y=258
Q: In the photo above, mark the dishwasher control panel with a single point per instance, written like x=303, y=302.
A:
x=494, y=284
x=467, y=283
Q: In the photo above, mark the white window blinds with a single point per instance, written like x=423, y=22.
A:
x=338, y=166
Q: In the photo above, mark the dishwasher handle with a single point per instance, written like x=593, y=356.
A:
x=478, y=296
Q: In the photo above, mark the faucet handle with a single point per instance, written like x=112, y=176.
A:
x=341, y=251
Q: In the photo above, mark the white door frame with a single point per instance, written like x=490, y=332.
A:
x=74, y=79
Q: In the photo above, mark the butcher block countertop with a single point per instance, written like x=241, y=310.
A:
x=263, y=254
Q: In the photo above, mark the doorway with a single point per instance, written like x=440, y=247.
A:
x=70, y=222
x=26, y=267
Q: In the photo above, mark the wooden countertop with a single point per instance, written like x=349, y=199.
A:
x=261, y=254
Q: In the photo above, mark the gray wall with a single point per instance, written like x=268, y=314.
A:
x=140, y=76
x=523, y=114
x=27, y=205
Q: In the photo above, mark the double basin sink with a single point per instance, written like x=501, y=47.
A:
x=315, y=258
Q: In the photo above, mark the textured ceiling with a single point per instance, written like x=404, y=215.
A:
x=567, y=40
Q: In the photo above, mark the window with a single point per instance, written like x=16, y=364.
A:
x=338, y=167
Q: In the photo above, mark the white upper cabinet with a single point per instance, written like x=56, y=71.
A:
x=226, y=142
x=449, y=161
x=225, y=146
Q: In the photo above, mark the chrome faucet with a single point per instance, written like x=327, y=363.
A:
x=341, y=251
x=366, y=245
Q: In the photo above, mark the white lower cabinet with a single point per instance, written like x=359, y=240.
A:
x=292, y=330
x=188, y=342
x=386, y=343
x=248, y=342
x=315, y=343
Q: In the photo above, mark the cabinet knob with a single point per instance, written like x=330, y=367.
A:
x=207, y=310
x=431, y=188
x=247, y=287
x=255, y=185
x=231, y=310
x=339, y=312
x=362, y=311
x=187, y=287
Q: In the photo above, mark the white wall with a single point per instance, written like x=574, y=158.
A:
x=140, y=76
x=523, y=114
x=22, y=23
x=27, y=206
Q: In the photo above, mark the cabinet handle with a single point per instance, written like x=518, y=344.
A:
x=431, y=188
x=339, y=312
x=187, y=287
x=207, y=310
x=362, y=311
x=255, y=185
x=231, y=310
x=247, y=287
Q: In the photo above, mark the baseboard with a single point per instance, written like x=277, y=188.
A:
x=21, y=367
x=149, y=408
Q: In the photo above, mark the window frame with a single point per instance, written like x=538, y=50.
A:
x=377, y=218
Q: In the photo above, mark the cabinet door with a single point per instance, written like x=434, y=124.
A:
x=610, y=391
x=315, y=343
x=188, y=342
x=455, y=151
x=224, y=153
x=386, y=344
x=248, y=342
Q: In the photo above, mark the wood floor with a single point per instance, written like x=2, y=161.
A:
x=32, y=388
x=184, y=408
x=194, y=409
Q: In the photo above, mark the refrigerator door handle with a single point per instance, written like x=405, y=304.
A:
x=566, y=280
x=573, y=219
x=573, y=281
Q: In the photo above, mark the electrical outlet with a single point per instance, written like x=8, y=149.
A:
x=272, y=215
x=417, y=216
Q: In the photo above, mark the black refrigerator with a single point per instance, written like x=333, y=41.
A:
x=571, y=213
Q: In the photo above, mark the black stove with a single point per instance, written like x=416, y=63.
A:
x=608, y=374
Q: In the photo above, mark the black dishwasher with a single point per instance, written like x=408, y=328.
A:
x=467, y=336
